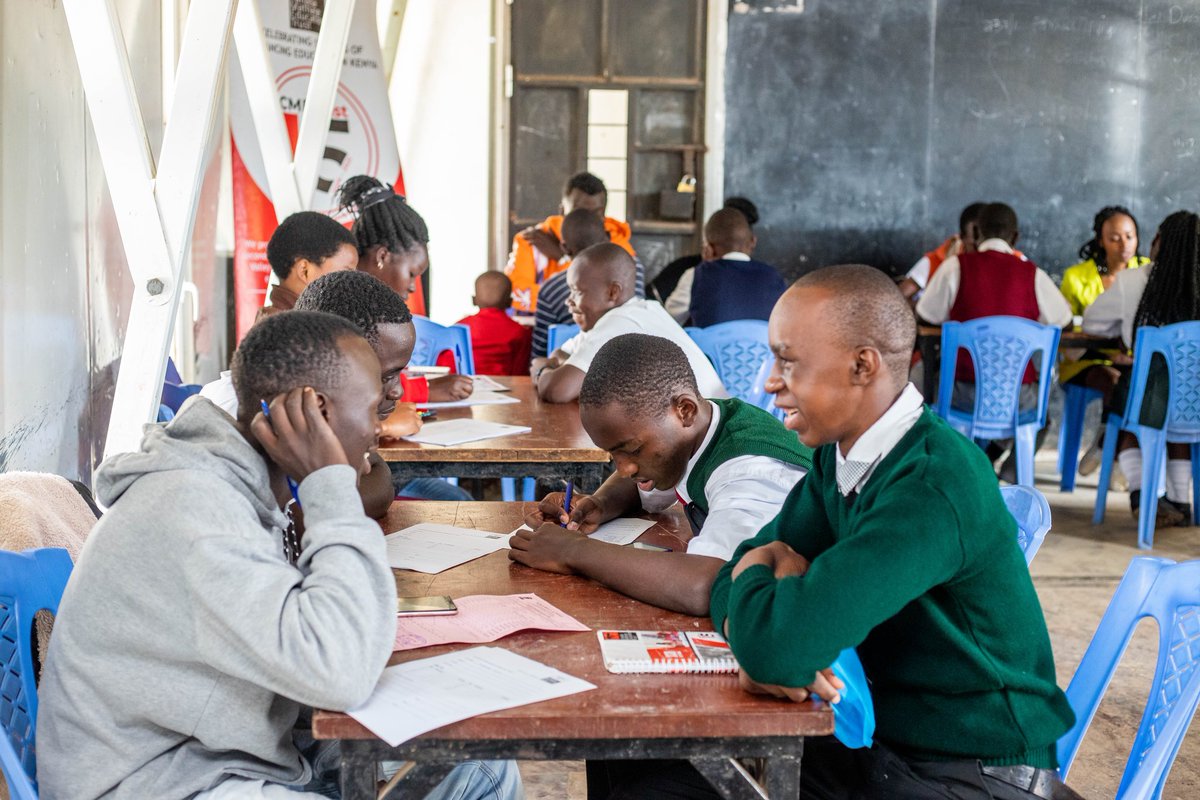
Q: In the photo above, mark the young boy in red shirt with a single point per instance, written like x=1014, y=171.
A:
x=501, y=346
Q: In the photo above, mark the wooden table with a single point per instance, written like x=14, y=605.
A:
x=557, y=448
x=929, y=343
x=707, y=719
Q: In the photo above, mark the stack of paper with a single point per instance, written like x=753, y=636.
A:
x=460, y=431
x=432, y=548
x=484, y=618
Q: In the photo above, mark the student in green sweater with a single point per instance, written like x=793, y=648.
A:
x=731, y=464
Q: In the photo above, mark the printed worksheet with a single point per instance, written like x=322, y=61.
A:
x=460, y=431
x=479, y=397
x=421, y=696
x=428, y=547
x=616, y=531
x=489, y=384
x=484, y=618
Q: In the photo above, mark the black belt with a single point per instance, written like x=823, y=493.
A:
x=1043, y=783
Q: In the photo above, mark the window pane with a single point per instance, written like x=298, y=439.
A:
x=654, y=39
x=544, y=149
x=653, y=173
x=666, y=117
x=556, y=37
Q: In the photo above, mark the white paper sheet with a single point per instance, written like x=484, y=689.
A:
x=460, y=431
x=479, y=397
x=423, y=695
x=617, y=531
x=428, y=369
x=484, y=618
x=432, y=548
x=489, y=384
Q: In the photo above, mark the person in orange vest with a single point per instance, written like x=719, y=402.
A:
x=963, y=242
x=537, y=252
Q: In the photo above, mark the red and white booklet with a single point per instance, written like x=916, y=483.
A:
x=666, y=651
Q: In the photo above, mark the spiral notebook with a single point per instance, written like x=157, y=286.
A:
x=666, y=651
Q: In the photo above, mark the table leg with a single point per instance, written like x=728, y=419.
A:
x=357, y=770
x=731, y=780
x=783, y=776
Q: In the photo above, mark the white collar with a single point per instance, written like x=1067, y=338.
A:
x=996, y=244
x=734, y=255
x=886, y=432
x=681, y=487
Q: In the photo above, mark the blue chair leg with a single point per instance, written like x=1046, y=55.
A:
x=1070, y=435
x=508, y=489
x=1023, y=443
x=529, y=488
x=1111, y=432
x=1154, y=450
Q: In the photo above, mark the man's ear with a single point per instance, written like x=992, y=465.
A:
x=868, y=364
x=686, y=409
x=708, y=252
x=753, y=244
x=614, y=292
x=323, y=403
x=305, y=270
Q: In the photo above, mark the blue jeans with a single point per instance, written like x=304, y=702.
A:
x=432, y=489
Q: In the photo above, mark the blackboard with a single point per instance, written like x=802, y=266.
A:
x=862, y=128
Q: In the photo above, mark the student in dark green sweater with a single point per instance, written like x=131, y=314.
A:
x=730, y=463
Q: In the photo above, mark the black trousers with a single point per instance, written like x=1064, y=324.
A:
x=830, y=771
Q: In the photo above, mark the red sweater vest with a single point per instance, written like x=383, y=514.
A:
x=993, y=284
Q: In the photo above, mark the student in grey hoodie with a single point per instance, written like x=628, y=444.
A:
x=194, y=628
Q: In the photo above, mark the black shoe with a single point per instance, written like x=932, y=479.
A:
x=1183, y=508
x=1167, y=514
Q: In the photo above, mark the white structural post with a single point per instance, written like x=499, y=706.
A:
x=155, y=210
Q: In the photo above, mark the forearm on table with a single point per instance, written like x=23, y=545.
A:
x=559, y=384
x=618, y=497
x=674, y=581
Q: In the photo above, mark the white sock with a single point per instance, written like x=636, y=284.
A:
x=1131, y=464
x=1179, y=479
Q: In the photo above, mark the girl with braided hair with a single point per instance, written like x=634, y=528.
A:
x=393, y=246
x=1166, y=292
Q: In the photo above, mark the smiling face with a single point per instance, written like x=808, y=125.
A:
x=394, y=350
x=651, y=449
x=352, y=406
x=590, y=293
x=1118, y=236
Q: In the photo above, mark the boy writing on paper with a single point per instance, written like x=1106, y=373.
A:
x=195, y=629
x=730, y=463
x=899, y=544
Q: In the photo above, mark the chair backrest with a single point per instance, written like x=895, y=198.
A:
x=1032, y=513
x=737, y=350
x=173, y=394
x=854, y=715
x=1170, y=593
x=759, y=396
x=1179, y=345
x=29, y=582
x=434, y=339
x=557, y=334
x=1000, y=348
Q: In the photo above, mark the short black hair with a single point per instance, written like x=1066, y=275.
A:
x=748, y=209
x=997, y=221
x=585, y=182
x=969, y=216
x=287, y=351
x=357, y=296
x=305, y=234
x=641, y=372
x=381, y=216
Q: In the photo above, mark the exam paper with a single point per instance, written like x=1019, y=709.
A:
x=489, y=384
x=484, y=618
x=479, y=397
x=423, y=695
x=432, y=548
x=460, y=431
x=623, y=530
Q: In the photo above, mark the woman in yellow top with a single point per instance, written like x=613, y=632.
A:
x=1112, y=249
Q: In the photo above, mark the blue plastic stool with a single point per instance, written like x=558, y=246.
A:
x=737, y=350
x=557, y=334
x=1032, y=513
x=1179, y=345
x=434, y=339
x=1170, y=593
x=29, y=582
x=854, y=713
x=1000, y=348
x=1076, y=399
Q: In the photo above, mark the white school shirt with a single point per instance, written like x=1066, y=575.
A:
x=744, y=494
x=679, y=304
x=638, y=315
x=222, y=393
x=1114, y=310
x=883, y=436
x=935, y=304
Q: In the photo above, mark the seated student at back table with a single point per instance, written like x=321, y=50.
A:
x=580, y=230
x=304, y=247
x=962, y=242
x=195, y=628
x=537, y=252
x=729, y=284
x=501, y=346
x=730, y=463
x=667, y=279
x=602, y=302
x=896, y=543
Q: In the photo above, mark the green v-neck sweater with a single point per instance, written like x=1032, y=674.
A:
x=921, y=572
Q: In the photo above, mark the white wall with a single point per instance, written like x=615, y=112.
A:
x=440, y=96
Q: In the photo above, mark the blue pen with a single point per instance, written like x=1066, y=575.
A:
x=292, y=485
x=567, y=500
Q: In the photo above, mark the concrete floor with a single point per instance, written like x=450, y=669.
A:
x=1075, y=572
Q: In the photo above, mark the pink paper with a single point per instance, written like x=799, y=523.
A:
x=484, y=618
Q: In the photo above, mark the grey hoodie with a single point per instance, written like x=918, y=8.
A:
x=185, y=644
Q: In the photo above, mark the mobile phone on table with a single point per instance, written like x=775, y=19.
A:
x=434, y=606
x=647, y=546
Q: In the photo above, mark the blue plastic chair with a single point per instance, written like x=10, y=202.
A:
x=759, y=396
x=1179, y=345
x=1076, y=399
x=1032, y=513
x=557, y=334
x=29, y=582
x=434, y=339
x=737, y=350
x=1000, y=348
x=854, y=713
x=1170, y=593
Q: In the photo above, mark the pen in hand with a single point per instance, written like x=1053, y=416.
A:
x=567, y=502
x=292, y=485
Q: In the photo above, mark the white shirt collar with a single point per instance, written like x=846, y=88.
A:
x=879, y=439
x=994, y=244
x=734, y=255
x=681, y=487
